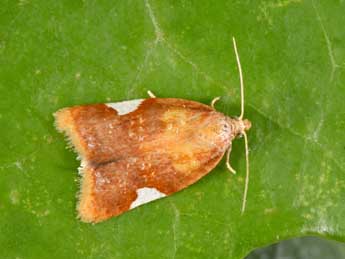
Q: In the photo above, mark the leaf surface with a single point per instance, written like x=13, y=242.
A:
x=55, y=54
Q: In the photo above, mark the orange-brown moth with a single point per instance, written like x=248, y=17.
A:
x=137, y=151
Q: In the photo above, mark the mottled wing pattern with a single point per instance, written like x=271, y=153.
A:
x=137, y=151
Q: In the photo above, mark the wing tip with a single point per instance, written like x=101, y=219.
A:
x=65, y=124
x=85, y=200
x=90, y=206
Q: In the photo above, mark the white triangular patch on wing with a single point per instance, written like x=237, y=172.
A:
x=125, y=107
x=146, y=195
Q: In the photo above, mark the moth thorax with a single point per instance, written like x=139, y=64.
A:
x=238, y=126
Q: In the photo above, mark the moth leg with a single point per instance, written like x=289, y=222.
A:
x=151, y=94
x=213, y=102
x=228, y=160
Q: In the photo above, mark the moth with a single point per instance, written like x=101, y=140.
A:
x=137, y=151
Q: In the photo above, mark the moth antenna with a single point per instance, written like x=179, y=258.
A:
x=247, y=173
x=232, y=170
x=151, y=94
x=213, y=102
x=241, y=77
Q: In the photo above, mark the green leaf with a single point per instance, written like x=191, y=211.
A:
x=55, y=54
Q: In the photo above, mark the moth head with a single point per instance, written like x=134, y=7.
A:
x=238, y=127
x=246, y=124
